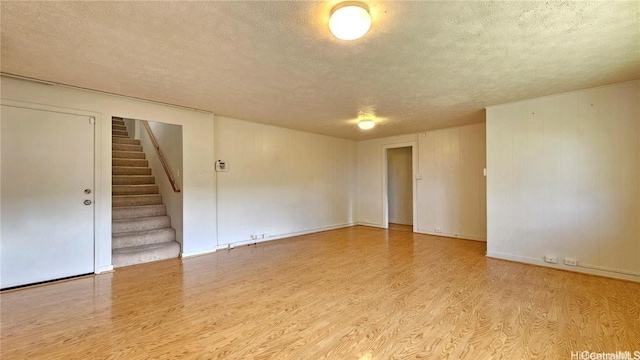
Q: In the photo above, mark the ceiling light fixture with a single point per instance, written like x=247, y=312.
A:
x=366, y=124
x=350, y=20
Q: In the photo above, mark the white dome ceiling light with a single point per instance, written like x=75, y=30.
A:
x=366, y=124
x=350, y=20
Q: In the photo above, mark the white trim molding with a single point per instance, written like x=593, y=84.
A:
x=578, y=269
x=453, y=236
x=282, y=236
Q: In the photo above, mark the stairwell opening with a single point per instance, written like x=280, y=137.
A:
x=147, y=212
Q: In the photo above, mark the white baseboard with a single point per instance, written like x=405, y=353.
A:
x=104, y=269
x=196, y=253
x=362, y=223
x=454, y=236
x=282, y=236
x=589, y=269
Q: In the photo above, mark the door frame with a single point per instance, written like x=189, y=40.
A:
x=414, y=171
x=97, y=159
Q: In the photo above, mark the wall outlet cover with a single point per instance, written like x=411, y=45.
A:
x=222, y=166
x=551, y=259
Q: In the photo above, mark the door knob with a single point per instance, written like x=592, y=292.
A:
x=87, y=202
x=87, y=191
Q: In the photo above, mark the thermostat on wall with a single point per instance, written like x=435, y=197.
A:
x=221, y=166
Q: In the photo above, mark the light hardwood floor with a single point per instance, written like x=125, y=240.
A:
x=355, y=293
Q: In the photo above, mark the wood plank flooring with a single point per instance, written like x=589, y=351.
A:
x=354, y=293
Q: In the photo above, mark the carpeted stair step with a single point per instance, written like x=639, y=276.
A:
x=125, y=147
x=128, y=170
x=127, y=155
x=139, y=238
x=119, y=132
x=145, y=253
x=140, y=224
x=134, y=189
x=118, y=127
x=130, y=162
x=132, y=179
x=127, y=140
x=136, y=200
x=129, y=212
x=120, y=137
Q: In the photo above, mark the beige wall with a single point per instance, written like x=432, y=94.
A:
x=400, y=185
x=563, y=176
x=564, y=180
x=450, y=197
x=371, y=183
x=199, y=227
x=281, y=182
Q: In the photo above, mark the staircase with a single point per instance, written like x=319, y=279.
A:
x=141, y=230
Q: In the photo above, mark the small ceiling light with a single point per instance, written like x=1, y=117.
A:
x=366, y=124
x=350, y=20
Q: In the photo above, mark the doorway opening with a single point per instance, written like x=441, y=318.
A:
x=146, y=192
x=399, y=187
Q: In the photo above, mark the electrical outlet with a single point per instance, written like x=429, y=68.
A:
x=253, y=237
x=438, y=230
x=551, y=259
x=266, y=235
x=570, y=262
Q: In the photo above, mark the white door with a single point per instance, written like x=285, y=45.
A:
x=46, y=165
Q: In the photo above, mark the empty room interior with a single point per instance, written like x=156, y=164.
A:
x=320, y=180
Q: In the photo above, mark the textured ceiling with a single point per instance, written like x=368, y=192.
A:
x=423, y=65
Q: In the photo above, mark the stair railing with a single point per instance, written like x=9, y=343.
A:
x=160, y=156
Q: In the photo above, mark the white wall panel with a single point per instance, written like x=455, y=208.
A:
x=451, y=195
x=427, y=187
x=281, y=182
x=564, y=179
